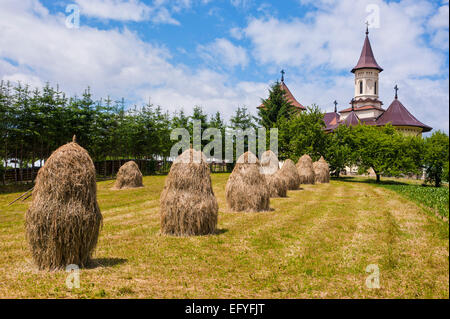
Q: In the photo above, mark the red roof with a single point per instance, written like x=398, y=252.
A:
x=352, y=119
x=365, y=107
x=398, y=115
x=289, y=97
x=367, y=59
x=331, y=118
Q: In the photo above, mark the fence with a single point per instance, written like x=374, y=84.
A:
x=108, y=169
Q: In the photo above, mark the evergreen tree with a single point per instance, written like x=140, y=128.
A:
x=275, y=107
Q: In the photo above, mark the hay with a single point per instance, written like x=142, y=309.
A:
x=289, y=174
x=64, y=219
x=321, y=171
x=305, y=170
x=269, y=163
x=129, y=176
x=246, y=189
x=188, y=204
x=269, y=167
x=276, y=185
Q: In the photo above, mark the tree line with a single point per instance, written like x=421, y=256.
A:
x=384, y=149
x=33, y=123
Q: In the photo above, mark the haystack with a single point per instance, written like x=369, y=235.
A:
x=270, y=167
x=129, y=176
x=64, y=219
x=290, y=175
x=321, y=171
x=305, y=170
x=246, y=188
x=188, y=204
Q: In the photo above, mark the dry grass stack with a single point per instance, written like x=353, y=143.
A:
x=290, y=175
x=64, y=219
x=305, y=170
x=129, y=176
x=321, y=171
x=270, y=168
x=246, y=189
x=188, y=204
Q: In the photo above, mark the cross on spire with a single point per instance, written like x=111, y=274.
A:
x=282, y=75
x=367, y=27
x=396, y=91
x=335, y=106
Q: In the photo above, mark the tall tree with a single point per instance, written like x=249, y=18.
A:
x=275, y=107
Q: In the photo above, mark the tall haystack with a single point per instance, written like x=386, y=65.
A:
x=305, y=170
x=321, y=171
x=188, y=204
x=270, y=168
x=246, y=189
x=290, y=175
x=128, y=176
x=64, y=219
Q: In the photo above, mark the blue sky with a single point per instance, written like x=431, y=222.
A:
x=221, y=54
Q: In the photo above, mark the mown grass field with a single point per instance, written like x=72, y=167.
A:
x=316, y=243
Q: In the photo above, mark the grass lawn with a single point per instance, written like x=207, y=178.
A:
x=316, y=243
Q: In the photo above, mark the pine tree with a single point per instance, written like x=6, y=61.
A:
x=275, y=107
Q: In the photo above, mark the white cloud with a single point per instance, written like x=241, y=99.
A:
x=317, y=49
x=37, y=49
x=124, y=10
x=225, y=51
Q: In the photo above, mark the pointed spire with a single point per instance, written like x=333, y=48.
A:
x=396, y=91
x=335, y=106
x=282, y=75
x=367, y=58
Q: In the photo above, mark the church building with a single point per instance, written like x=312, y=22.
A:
x=365, y=106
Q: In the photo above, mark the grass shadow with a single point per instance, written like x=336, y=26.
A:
x=105, y=262
x=352, y=179
x=220, y=231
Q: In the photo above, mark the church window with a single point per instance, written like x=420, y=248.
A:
x=360, y=87
x=375, y=88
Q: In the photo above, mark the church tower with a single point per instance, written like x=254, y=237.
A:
x=366, y=79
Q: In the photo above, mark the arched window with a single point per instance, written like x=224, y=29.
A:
x=375, y=88
x=360, y=87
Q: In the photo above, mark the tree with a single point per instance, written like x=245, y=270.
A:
x=436, y=157
x=275, y=107
x=242, y=119
x=385, y=150
x=302, y=134
x=340, y=149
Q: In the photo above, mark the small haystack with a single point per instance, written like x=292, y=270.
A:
x=290, y=175
x=129, y=176
x=188, y=204
x=321, y=171
x=246, y=188
x=270, y=167
x=305, y=170
x=64, y=219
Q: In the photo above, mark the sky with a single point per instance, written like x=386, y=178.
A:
x=224, y=54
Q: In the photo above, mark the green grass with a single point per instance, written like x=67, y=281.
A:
x=316, y=243
x=432, y=197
